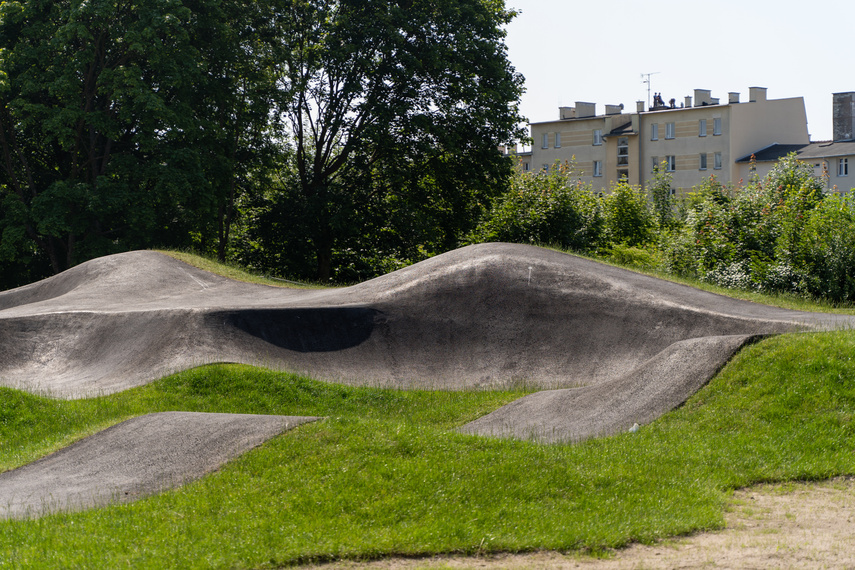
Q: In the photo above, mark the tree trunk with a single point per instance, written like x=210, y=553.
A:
x=324, y=256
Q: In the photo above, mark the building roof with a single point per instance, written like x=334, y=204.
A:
x=810, y=151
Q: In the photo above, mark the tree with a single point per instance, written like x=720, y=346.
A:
x=662, y=196
x=237, y=42
x=128, y=123
x=401, y=85
x=89, y=111
x=627, y=215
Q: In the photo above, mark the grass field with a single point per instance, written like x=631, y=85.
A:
x=386, y=473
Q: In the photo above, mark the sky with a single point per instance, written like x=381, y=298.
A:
x=597, y=50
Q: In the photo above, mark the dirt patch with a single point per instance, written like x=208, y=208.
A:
x=792, y=525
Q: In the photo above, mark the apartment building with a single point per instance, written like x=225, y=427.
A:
x=833, y=161
x=703, y=136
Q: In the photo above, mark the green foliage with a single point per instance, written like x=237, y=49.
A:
x=373, y=126
x=550, y=207
x=120, y=122
x=827, y=249
x=662, y=197
x=752, y=237
x=395, y=112
x=629, y=256
x=628, y=216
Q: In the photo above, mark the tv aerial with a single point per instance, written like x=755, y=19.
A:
x=645, y=78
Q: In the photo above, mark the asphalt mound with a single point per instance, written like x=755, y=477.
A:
x=485, y=316
x=136, y=458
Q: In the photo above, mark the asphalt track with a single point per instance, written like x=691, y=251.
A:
x=133, y=459
x=606, y=347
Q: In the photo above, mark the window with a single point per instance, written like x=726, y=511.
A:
x=670, y=131
x=654, y=132
x=670, y=163
x=623, y=174
x=545, y=168
x=716, y=129
x=702, y=128
x=717, y=164
x=557, y=140
x=598, y=137
x=526, y=166
x=702, y=161
x=545, y=141
x=843, y=167
x=598, y=168
x=655, y=166
x=623, y=151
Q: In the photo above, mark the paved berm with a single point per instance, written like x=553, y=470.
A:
x=606, y=348
x=139, y=457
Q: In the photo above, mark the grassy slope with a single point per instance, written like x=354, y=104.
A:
x=235, y=272
x=385, y=473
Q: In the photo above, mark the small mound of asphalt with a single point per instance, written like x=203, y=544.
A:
x=133, y=459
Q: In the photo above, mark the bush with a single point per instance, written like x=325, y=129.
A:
x=629, y=256
x=628, y=216
x=827, y=249
x=661, y=197
x=751, y=237
x=545, y=207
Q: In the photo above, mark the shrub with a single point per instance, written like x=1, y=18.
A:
x=628, y=216
x=551, y=207
x=750, y=237
x=629, y=256
x=661, y=197
x=827, y=249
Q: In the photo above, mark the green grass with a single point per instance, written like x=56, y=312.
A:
x=386, y=473
x=236, y=272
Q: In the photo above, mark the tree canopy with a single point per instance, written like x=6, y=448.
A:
x=380, y=95
x=139, y=123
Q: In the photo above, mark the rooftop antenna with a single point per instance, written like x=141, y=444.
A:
x=645, y=78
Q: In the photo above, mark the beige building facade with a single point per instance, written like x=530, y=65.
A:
x=833, y=161
x=701, y=137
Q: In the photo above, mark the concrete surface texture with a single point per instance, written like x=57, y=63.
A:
x=611, y=347
x=484, y=316
x=606, y=347
x=133, y=459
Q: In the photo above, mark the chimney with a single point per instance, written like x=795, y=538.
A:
x=688, y=101
x=639, y=106
x=566, y=113
x=702, y=97
x=756, y=94
x=733, y=97
x=843, y=111
x=584, y=110
x=614, y=109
